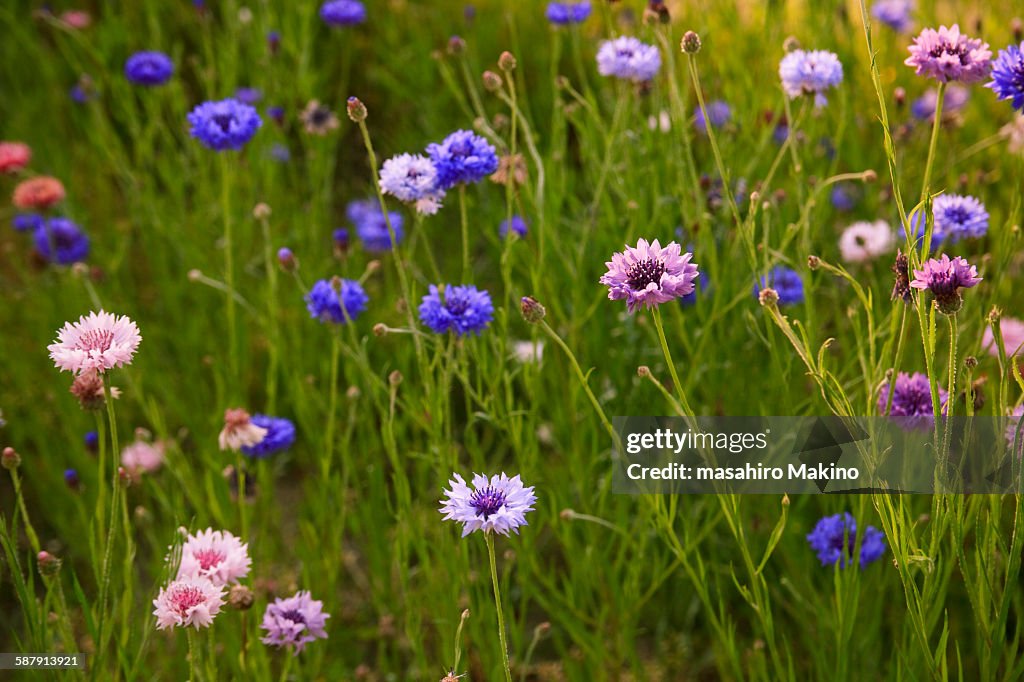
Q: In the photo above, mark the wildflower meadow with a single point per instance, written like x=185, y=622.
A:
x=320, y=321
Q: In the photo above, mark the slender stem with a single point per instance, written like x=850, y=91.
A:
x=896, y=362
x=272, y=322
x=190, y=637
x=933, y=144
x=114, y=504
x=464, y=222
x=497, y=605
x=29, y=530
x=671, y=365
x=325, y=465
x=229, y=266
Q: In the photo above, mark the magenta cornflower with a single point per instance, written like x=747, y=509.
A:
x=944, y=277
x=948, y=55
x=649, y=274
x=188, y=602
x=97, y=342
x=495, y=505
x=294, y=622
x=216, y=555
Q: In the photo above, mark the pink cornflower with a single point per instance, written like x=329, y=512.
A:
x=97, y=342
x=239, y=431
x=294, y=622
x=39, y=192
x=76, y=18
x=864, y=241
x=1013, y=337
x=14, y=156
x=216, y=555
x=649, y=274
x=142, y=457
x=188, y=602
x=948, y=55
x=944, y=277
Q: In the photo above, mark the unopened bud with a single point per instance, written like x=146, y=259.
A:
x=994, y=315
x=1017, y=26
x=456, y=45
x=899, y=95
x=970, y=362
x=768, y=297
x=785, y=500
x=507, y=61
x=533, y=311
x=380, y=329
x=261, y=211
x=353, y=393
x=492, y=81
x=372, y=267
x=790, y=44
x=10, y=459
x=690, y=44
x=869, y=176
x=195, y=274
x=395, y=378
x=49, y=565
x=356, y=110
x=813, y=262
x=643, y=371
x=286, y=259
x=71, y=479
x=241, y=598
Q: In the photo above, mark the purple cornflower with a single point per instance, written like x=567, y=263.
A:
x=92, y=441
x=649, y=275
x=371, y=228
x=224, y=124
x=629, y=59
x=463, y=157
x=810, y=72
x=325, y=299
x=844, y=196
x=1008, y=76
x=279, y=437
x=248, y=96
x=149, y=68
x=495, y=505
x=786, y=282
x=944, y=278
x=279, y=152
x=412, y=178
x=61, y=241
x=834, y=538
x=948, y=55
x=294, y=622
x=719, y=112
x=911, y=400
x=22, y=222
x=341, y=239
x=461, y=309
x=563, y=13
x=923, y=108
x=342, y=12
x=893, y=13
x=276, y=113
x=956, y=217
x=519, y=227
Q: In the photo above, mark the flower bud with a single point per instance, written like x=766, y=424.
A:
x=356, y=110
x=790, y=44
x=49, y=565
x=690, y=44
x=899, y=95
x=813, y=262
x=286, y=259
x=507, y=62
x=240, y=598
x=643, y=371
x=71, y=479
x=533, y=311
x=456, y=45
x=768, y=297
x=261, y=211
x=492, y=81
x=395, y=378
x=380, y=329
x=970, y=362
x=10, y=459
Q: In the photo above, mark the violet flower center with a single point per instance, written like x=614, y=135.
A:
x=487, y=501
x=645, y=272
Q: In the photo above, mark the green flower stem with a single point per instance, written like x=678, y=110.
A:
x=488, y=537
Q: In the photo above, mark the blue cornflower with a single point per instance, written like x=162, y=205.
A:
x=893, y=13
x=461, y=309
x=844, y=196
x=834, y=538
x=1008, y=76
x=371, y=227
x=224, y=124
x=519, y=226
x=563, y=13
x=341, y=240
x=810, y=72
x=786, y=282
x=71, y=479
x=276, y=113
x=628, y=58
x=61, y=241
x=463, y=157
x=149, y=68
x=342, y=12
x=23, y=222
x=923, y=108
x=92, y=441
x=280, y=436
x=956, y=217
x=719, y=112
x=248, y=96
x=280, y=152
x=325, y=299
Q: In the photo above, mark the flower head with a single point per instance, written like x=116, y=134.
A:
x=216, y=555
x=719, y=112
x=649, y=274
x=519, y=227
x=279, y=437
x=192, y=601
x=318, y=119
x=39, y=192
x=786, y=282
x=412, y=178
x=98, y=341
x=371, y=226
x=627, y=58
x=1012, y=331
x=834, y=538
x=149, y=68
x=239, y=431
x=495, y=505
x=948, y=55
x=944, y=278
x=23, y=222
x=141, y=457
x=14, y=156
x=60, y=241
x=224, y=124
x=294, y=622
x=901, y=283
x=339, y=13
x=894, y=13
x=462, y=158
x=1008, y=76
x=563, y=13
x=324, y=301
x=810, y=72
x=461, y=309
x=956, y=217
x=865, y=241
x=911, y=400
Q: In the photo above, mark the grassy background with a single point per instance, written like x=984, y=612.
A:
x=633, y=588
